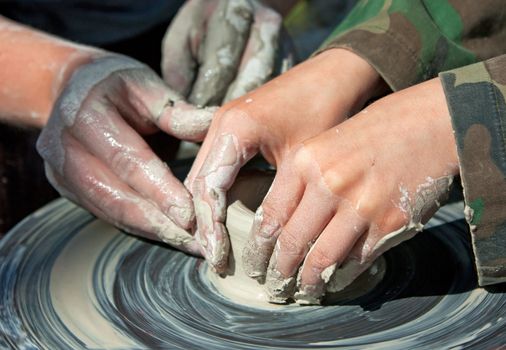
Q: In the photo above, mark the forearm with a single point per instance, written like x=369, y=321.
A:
x=34, y=67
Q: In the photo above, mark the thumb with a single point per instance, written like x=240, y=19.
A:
x=220, y=55
x=147, y=99
x=181, y=43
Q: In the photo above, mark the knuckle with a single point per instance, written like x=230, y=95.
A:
x=107, y=199
x=117, y=160
x=302, y=160
x=219, y=117
x=226, y=116
x=117, y=209
x=239, y=119
x=197, y=187
x=335, y=180
x=320, y=258
x=370, y=202
x=291, y=245
x=368, y=206
x=270, y=223
x=124, y=163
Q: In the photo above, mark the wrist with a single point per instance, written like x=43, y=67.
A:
x=438, y=118
x=70, y=62
x=353, y=79
x=35, y=68
x=418, y=116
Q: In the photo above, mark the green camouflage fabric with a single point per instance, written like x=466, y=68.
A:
x=410, y=41
x=476, y=97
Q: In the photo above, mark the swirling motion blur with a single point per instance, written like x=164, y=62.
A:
x=70, y=281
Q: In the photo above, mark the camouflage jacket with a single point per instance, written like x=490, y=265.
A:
x=409, y=41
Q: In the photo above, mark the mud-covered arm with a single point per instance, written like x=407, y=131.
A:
x=410, y=41
x=476, y=97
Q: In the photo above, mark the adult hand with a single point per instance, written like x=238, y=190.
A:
x=95, y=155
x=217, y=50
x=273, y=119
x=344, y=197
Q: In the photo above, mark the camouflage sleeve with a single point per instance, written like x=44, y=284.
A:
x=410, y=41
x=476, y=97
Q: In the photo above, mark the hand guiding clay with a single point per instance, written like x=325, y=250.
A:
x=92, y=145
x=272, y=120
x=220, y=49
x=344, y=197
x=95, y=156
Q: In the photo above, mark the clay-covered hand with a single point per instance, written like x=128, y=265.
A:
x=273, y=119
x=217, y=50
x=345, y=196
x=95, y=155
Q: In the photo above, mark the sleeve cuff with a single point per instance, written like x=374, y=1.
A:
x=476, y=101
x=401, y=42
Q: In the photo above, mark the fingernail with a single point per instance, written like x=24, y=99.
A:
x=174, y=235
x=205, y=250
x=258, y=249
x=217, y=251
x=278, y=287
x=253, y=264
x=312, y=293
x=218, y=266
x=309, y=294
x=219, y=263
x=183, y=216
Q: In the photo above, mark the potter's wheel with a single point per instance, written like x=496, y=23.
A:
x=70, y=281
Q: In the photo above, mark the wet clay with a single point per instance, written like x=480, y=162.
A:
x=246, y=195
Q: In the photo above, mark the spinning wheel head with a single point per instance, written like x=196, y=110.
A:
x=70, y=281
